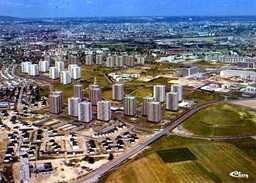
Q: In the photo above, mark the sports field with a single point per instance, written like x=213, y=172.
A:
x=223, y=120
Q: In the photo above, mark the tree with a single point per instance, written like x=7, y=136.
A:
x=110, y=157
x=91, y=160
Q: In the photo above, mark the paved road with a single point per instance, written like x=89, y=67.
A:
x=20, y=98
x=95, y=175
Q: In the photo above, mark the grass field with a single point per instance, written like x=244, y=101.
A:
x=214, y=161
x=202, y=96
x=91, y=72
x=223, y=120
x=67, y=90
x=142, y=92
x=107, y=94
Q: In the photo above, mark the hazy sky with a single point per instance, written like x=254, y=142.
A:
x=83, y=8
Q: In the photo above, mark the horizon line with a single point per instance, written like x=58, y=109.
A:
x=129, y=16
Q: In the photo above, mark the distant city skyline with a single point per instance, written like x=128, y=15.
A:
x=102, y=8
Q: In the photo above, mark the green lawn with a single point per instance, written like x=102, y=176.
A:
x=223, y=120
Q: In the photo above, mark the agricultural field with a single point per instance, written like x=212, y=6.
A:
x=211, y=163
x=176, y=155
x=218, y=120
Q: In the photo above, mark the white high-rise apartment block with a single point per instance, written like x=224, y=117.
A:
x=179, y=90
x=55, y=102
x=61, y=94
x=119, y=61
x=95, y=93
x=159, y=92
x=43, y=66
x=89, y=59
x=99, y=59
x=118, y=91
x=140, y=60
x=104, y=110
x=78, y=91
x=25, y=67
x=53, y=73
x=75, y=72
x=146, y=100
x=172, y=101
x=129, y=60
x=85, y=111
x=65, y=77
x=73, y=106
x=70, y=66
x=130, y=106
x=34, y=70
x=60, y=66
x=110, y=61
x=154, y=111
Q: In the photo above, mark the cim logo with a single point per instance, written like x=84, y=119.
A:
x=238, y=174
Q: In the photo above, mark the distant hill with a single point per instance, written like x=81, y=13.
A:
x=9, y=18
x=145, y=19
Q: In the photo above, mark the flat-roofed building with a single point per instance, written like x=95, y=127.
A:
x=55, y=103
x=172, y=101
x=73, y=106
x=118, y=91
x=95, y=93
x=130, y=106
x=65, y=77
x=53, y=73
x=179, y=90
x=85, y=111
x=154, y=111
x=104, y=110
x=159, y=92
x=78, y=91
x=145, y=104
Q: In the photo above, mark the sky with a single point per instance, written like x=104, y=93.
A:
x=101, y=8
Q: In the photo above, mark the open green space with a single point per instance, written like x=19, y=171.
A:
x=67, y=90
x=223, y=120
x=176, y=155
x=214, y=161
x=142, y=92
x=90, y=72
x=202, y=97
